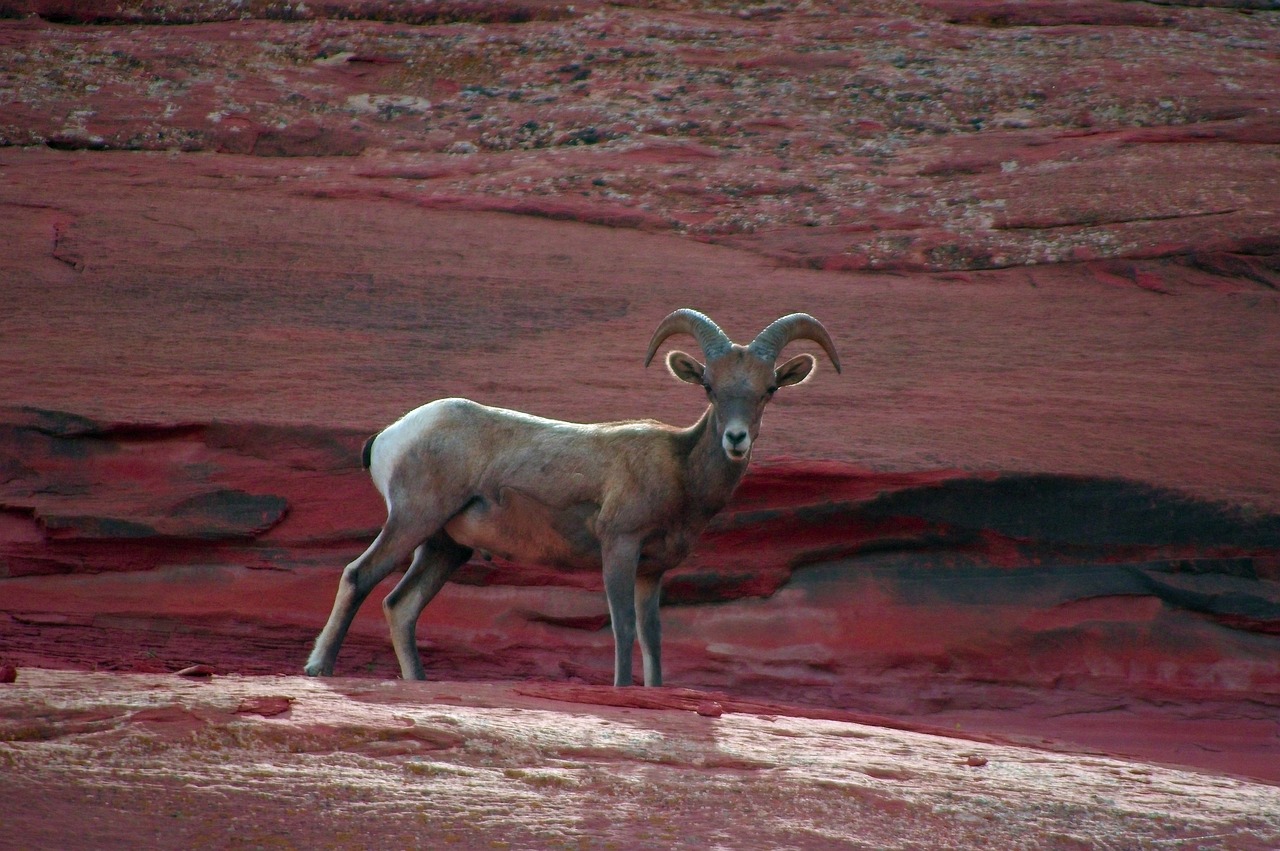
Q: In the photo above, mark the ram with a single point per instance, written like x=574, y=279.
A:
x=629, y=498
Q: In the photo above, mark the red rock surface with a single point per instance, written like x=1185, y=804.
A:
x=1043, y=500
x=394, y=764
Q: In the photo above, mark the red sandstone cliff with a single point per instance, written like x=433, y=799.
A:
x=1044, y=499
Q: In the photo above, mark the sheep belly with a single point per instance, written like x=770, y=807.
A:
x=516, y=526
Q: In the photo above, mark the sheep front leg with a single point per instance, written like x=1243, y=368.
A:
x=621, y=558
x=648, y=591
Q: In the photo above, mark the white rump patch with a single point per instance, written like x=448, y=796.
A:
x=393, y=441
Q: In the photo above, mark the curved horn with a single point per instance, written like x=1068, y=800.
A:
x=770, y=342
x=713, y=341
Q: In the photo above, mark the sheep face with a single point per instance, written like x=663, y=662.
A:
x=739, y=385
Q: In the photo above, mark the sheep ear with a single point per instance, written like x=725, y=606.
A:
x=684, y=367
x=795, y=371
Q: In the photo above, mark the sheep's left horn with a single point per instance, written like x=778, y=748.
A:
x=713, y=341
x=770, y=342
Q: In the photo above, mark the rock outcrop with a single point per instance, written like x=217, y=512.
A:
x=1044, y=499
x=821, y=584
x=946, y=135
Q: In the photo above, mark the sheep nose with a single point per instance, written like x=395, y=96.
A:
x=735, y=437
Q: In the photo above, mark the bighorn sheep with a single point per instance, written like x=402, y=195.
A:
x=628, y=497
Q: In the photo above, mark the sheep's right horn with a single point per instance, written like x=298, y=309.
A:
x=713, y=341
x=797, y=326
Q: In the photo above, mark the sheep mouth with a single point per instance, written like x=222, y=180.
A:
x=736, y=454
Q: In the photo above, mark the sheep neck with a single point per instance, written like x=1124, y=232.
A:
x=712, y=477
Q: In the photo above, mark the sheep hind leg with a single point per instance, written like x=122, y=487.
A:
x=389, y=550
x=433, y=562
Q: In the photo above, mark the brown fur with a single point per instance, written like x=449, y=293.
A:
x=627, y=498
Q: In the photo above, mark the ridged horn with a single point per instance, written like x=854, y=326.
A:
x=713, y=341
x=770, y=342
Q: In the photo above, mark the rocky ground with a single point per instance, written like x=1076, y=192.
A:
x=158, y=761
x=1039, y=511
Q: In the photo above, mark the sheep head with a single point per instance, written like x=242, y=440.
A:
x=740, y=380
